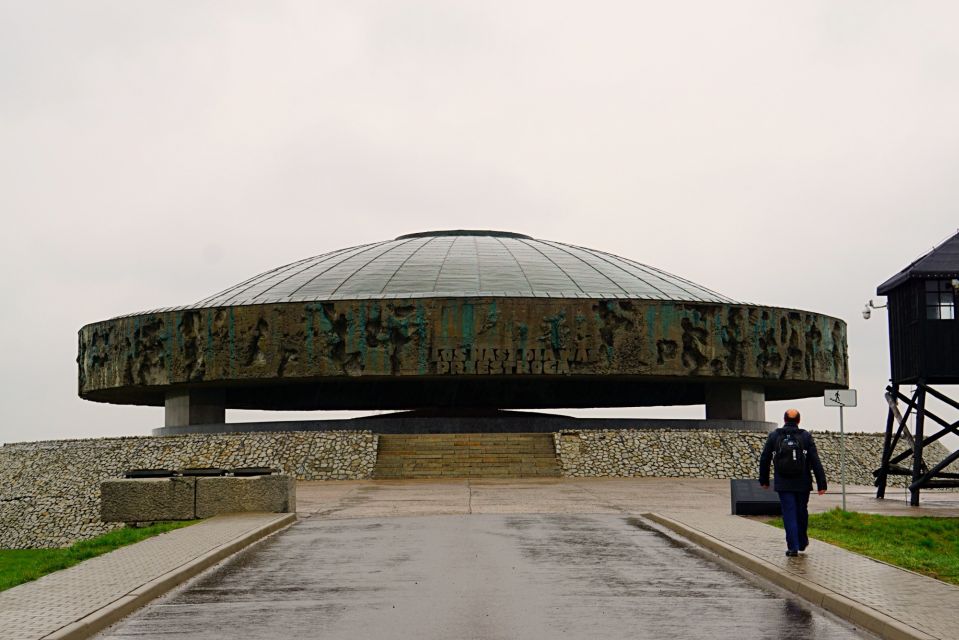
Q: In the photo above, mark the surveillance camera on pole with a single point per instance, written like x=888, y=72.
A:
x=867, y=310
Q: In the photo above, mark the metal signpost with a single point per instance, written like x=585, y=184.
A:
x=841, y=398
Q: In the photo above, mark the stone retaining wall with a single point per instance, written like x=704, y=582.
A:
x=712, y=454
x=50, y=491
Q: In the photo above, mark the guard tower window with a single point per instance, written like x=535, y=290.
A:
x=940, y=300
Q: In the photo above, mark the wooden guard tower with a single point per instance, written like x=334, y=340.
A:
x=924, y=352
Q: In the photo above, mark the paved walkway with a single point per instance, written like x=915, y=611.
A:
x=916, y=606
x=379, y=498
x=58, y=605
x=477, y=577
x=101, y=590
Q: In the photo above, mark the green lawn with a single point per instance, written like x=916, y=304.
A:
x=925, y=545
x=23, y=565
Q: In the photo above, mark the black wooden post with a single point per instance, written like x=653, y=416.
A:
x=887, y=447
x=917, y=470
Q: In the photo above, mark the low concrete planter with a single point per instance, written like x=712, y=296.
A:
x=147, y=499
x=189, y=498
x=271, y=494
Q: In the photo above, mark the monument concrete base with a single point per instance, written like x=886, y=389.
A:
x=411, y=422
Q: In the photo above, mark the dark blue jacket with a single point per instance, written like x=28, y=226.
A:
x=803, y=482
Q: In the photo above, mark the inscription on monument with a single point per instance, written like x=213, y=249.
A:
x=495, y=361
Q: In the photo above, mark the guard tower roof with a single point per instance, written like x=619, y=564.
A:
x=941, y=262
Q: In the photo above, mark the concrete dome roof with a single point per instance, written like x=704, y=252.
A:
x=462, y=263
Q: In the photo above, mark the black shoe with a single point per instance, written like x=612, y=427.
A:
x=803, y=548
x=792, y=554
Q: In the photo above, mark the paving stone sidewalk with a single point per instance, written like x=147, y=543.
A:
x=62, y=604
x=924, y=607
x=59, y=605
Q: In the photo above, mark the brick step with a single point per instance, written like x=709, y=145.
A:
x=466, y=472
x=477, y=442
x=439, y=453
x=474, y=443
x=397, y=462
x=387, y=459
x=465, y=439
x=419, y=464
x=414, y=446
x=398, y=468
x=525, y=455
x=466, y=455
x=468, y=437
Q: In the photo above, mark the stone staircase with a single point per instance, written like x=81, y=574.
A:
x=466, y=455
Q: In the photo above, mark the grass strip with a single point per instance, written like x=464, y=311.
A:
x=929, y=546
x=23, y=565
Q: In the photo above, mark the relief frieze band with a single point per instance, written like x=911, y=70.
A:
x=454, y=337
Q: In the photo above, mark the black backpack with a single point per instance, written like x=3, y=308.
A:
x=790, y=457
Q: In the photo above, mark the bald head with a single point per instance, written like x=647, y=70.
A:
x=791, y=416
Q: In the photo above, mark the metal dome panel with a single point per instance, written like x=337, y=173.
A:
x=462, y=263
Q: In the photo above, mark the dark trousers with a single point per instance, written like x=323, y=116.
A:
x=795, y=518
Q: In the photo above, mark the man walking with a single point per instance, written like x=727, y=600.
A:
x=793, y=454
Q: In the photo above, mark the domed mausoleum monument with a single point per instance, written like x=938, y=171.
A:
x=453, y=321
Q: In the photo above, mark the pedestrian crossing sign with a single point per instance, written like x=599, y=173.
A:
x=840, y=398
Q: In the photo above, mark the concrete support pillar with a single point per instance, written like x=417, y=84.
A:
x=194, y=406
x=725, y=401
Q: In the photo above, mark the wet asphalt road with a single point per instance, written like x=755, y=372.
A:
x=476, y=576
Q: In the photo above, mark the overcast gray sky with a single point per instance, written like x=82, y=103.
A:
x=785, y=153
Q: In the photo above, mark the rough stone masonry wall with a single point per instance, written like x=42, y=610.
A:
x=712, y=454
x=50, y=491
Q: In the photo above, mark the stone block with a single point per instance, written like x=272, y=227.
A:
x=271, y=494
x=147, y=499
